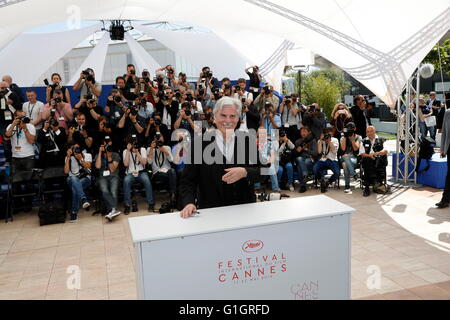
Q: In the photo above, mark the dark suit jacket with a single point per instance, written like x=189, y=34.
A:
x=203, y=182
x=359, y=118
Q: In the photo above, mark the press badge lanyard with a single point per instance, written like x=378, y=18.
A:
x=30, y=112
x=135, y=161
x=18, y=133
x=159, y=159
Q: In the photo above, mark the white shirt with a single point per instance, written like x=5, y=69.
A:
x=134, y=165
x=361, y=146
x=33, y=111
x=21, y=148
x=247, y=95
x=327, y=154
x=74, y=167
x=160, y=161
x=227, y=149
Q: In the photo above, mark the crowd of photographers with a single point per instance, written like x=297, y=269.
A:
x=121, y=142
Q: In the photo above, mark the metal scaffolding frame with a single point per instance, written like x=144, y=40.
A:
x=408, y=131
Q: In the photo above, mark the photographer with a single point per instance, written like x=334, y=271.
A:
x=7, y=110
x=167, y=107
x=208, y=119
x=265, y=97
x=131, y=80
x=145, y=108
x=155, y=125
x=207, y=79
x=17, y=96
x=214, y=97
x=56, y=84
x=186, y=118
x=78, y=166
x=135, y=160
x=240, y=92
x=227, y=87
x=285, y=153
x=89, y=107
x=350, y=145
x=87, y=84
x=266, y=149
x=180, y=151
x=9, y=97
x=250, y=117
x=327, y=148
x=305, y=155
x=169, y=74
x=425, y=111
x=130, y=123
x=124, y=94
x=53, y=141
x=59, y=110
x=269, y=119
x=114, y=107
x=102, y=130
x=360, y=115
x=107, y=162
x=314, y=118
x=80, y=134
x=255, y=80
x=290, y=118
x=182, y=82
x=374, y=162
x=33, y=109
x=340, y=118
x=146, y=88
x=22, y=135
x=160, y=158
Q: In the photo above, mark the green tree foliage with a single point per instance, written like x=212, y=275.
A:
x=325, y=87
x=433, y=57
x=320, y=89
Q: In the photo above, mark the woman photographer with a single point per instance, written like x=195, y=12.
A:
x=56, y=84
x=78, y=166
x=340, y=118
x=285, y=156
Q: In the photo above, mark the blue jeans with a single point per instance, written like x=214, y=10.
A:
x=108, y=187
x=348, y=164
x=424, y=130
x=304, y=166
x=321, y=167
x=289, y=171
x=129, y=180
x=78, y=187
x=273, y=181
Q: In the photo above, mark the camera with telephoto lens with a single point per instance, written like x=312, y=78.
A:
x=52, y=113
x=158, y=136
x=158, y=122
x=326, y=136
x=76, y=150
x=348, y=133
x=133, y=72
x=208, y=74
x=134, y=111
x=288, y=100
x=58, y=100
x=24, y=119
x=159, y=144
x=237, y=88
x=187, y=112
x=109, y=148
x=267, y=90
x=146, y=75
x=117, y=99
x=227, y=86
x=282, y=133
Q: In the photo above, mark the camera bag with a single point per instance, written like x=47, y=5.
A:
x=52, y=212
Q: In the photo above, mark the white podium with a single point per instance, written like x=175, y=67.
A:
x=290, y=249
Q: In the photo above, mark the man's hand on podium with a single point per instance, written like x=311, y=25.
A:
x=188, y=211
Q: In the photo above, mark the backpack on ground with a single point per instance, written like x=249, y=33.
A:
x=52, y=212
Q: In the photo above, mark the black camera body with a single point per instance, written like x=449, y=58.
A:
x=326, y=136
x=77, y=150
x=24, y=119
x=378, y=145
x=282, y=133
x=187, y=112
x=348, y=133
x=109, y=148
x=134, y=111
x=117, y=99
x=208, y=74
x=267, y=90
x=58, y=100
x=54, y=123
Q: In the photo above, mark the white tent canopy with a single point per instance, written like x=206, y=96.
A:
x=380, y=43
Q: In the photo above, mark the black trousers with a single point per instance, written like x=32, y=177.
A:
x=372, y=172
x=446, y=194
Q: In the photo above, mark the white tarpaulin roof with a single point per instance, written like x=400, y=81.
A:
x=380, y=43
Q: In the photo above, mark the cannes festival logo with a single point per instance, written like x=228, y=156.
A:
x=252, y=246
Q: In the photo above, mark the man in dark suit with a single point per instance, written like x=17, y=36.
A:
x=435, y=105
x=445, y=151
x=360, y=115
x=227, y=170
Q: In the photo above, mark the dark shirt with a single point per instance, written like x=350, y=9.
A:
x=361, y=118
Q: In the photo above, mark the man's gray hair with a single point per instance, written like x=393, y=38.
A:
x=226, y=102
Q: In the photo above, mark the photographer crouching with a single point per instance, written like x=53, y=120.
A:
x=374, y=162
x=135, y=160
x=327, y=147
x=53, y=141
x=78, y=166
x=22, y=135
x=350, y=145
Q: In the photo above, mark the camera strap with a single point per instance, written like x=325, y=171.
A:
x=159, y=158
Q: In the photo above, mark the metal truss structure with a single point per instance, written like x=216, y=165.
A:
x=408, y=131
